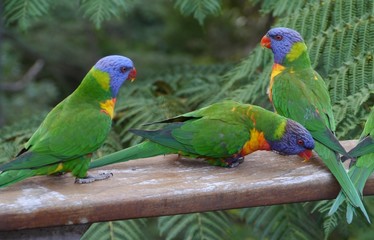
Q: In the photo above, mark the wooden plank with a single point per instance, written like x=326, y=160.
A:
x=166, y=185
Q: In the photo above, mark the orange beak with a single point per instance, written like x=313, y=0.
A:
x=306, y=155
x=132, y=75
x=265, y=42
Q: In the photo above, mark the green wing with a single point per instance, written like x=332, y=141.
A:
x=206, y=132
x=365, y=146
x=216, y=111
x=66, y=133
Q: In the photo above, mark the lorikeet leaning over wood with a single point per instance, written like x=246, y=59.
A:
x=75, y=128
x=222, y=133
x=299, y=93
x=363, y=160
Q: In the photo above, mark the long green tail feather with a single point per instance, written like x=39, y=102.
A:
x=358, y=176
x=142, y=150
x=333, y=162
x=13, y=176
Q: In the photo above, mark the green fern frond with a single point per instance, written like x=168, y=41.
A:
x=279, y=8
x=330, y=223
x=98, y=11
x=200, y=9
x=252, y=73
x=351, y=112
x=351, y=77
x=207, y=225
x=282, y=222
x=117, y=230
x=24, y=12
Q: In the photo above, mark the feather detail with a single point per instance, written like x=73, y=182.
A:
x=277, y=69
x=296, y=50
x=102, y=78
x=108, y=107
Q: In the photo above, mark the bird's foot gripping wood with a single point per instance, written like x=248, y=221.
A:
x=234, y=161
x=90, y=178
x=230, y=162
x=58, y=174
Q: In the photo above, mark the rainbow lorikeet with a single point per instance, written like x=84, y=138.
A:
x=75, y=128
x=298, y=92
x=363, y=155
x=222, y=133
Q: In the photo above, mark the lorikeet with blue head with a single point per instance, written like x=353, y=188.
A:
x=362, y=165
x=222, y=133
x=75, y=128
x=298, y=92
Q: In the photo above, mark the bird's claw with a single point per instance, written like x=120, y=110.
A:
x=91, y=178
x=234, y=161
x=305, y=160
x=58, y=174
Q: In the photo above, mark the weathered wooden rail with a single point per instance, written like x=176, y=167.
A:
x=166, y=185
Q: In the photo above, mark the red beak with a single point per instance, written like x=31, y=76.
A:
x=306, y=155
x=265, y=42
x=132, y=75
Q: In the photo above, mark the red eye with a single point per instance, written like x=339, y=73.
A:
x=123, y=69
x=300, y=142
x=278, y=37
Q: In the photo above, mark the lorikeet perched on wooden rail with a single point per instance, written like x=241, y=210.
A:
x=75, y=128
x=223, y=133
x=299, y=93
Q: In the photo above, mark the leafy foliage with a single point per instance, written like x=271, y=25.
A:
x=199, y=8
x=24, y=12
x=278, y=8
x=330, y=222
x=98, y=11
x=208, y=225
x=117, y=230
x=282, y=222
x=352, y=112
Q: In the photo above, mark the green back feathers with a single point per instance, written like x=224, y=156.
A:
x=242, y=114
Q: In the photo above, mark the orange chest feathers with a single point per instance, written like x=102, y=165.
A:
x=256, y=142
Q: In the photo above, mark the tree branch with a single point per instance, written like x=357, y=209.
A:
x=25, y=80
